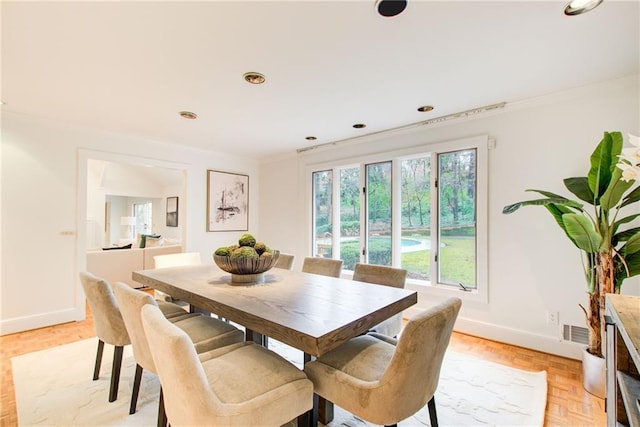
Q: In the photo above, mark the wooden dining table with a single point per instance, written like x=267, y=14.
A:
x=310, y=312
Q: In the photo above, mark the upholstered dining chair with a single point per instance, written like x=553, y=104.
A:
x=324, y=266
x=285, y=261
x=109, y=326
x=242, y=384
x=205, y=333
x=387, y=276
x=382, y=383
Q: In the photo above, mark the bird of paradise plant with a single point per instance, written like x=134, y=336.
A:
x=610, y=253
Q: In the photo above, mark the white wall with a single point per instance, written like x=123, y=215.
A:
x=44, y=216
x=533, y=268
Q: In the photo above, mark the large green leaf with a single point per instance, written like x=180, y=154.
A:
x=614, y=192
x=581, y=231
x=548, y=194
x=557, y=211
x=542, y=202
x=632, y=197
x=632, y=246
x=633, y=263
x=625, y=235
x=603, y=161
x=630, y=262
x=580, y=187
x=625, y=220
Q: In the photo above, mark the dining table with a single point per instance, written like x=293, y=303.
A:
x=310, y=312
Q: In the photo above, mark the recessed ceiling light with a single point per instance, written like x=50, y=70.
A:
x=576, y=7
x=359, y=125
x=310, y=138
x=254, y=78
x=188, y=115
x=425, y=108
x=389, y=8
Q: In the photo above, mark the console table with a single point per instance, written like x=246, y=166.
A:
x=623, y=360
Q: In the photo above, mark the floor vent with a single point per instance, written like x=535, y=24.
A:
x=577, y=334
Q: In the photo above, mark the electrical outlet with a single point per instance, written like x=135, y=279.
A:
x=553, y=317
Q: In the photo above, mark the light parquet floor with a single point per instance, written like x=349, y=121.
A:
x=568, y=404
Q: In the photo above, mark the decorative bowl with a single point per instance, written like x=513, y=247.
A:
x=244, y=270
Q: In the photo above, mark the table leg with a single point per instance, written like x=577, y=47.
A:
x=250, y=335
x=322, y=408
x=325, y=410
x=310, y=418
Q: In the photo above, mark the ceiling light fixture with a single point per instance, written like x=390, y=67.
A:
x=389, y=8
x=577, y=7
x=425, y=108
x=311, y=138
x=359, y=125
x=188, y=115
x=254, y=78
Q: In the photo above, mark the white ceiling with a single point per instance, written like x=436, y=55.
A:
x=130, y=67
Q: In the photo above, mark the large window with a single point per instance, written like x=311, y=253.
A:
x=322, y=213
x=143, y=212
x=424, y=212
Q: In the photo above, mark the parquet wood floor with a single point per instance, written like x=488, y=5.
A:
x=568, y=404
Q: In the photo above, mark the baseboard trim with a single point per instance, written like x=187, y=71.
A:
x=520, y=338
x=41, y=320
x=517, y=337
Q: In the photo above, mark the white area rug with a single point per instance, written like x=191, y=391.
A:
x=54, y=388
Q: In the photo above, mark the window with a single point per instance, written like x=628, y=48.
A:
x=350, y=216
x=423, y=211
x=322, y=203
x=142, y=212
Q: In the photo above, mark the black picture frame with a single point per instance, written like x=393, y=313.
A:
x=172, y=211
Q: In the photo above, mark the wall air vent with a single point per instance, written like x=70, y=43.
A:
x=574, y=333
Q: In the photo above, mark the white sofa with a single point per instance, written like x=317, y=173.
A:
x=117, y=265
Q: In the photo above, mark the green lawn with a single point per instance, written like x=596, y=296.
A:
x=457, y=260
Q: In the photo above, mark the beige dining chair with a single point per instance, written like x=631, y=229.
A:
x=285, y=261
x=384, y=383
x=205, y=333
x=323, y=266
x=109, y=325
x=387, y=276
x=242, y=384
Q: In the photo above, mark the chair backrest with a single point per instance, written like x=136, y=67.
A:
x=413, y=373
x=188, y=399
x=175, y=260
x=131, y=302
x=380, y=274
x=107, y=319
x=324, y=266
x=285, y=261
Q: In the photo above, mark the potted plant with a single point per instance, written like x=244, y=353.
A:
x=610, y=248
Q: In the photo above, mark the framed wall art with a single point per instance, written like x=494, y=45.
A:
x=172, y=211
x=227, y=201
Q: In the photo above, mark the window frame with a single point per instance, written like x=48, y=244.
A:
x=480, y=144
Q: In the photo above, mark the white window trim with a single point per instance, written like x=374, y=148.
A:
x=481, y=144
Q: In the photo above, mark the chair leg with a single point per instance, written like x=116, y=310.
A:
x=136, y=389
x=115, y=372
x=96, y=369
x=162, y=415
x=433, y=417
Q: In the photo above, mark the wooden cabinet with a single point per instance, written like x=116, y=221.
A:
x=623, y=360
